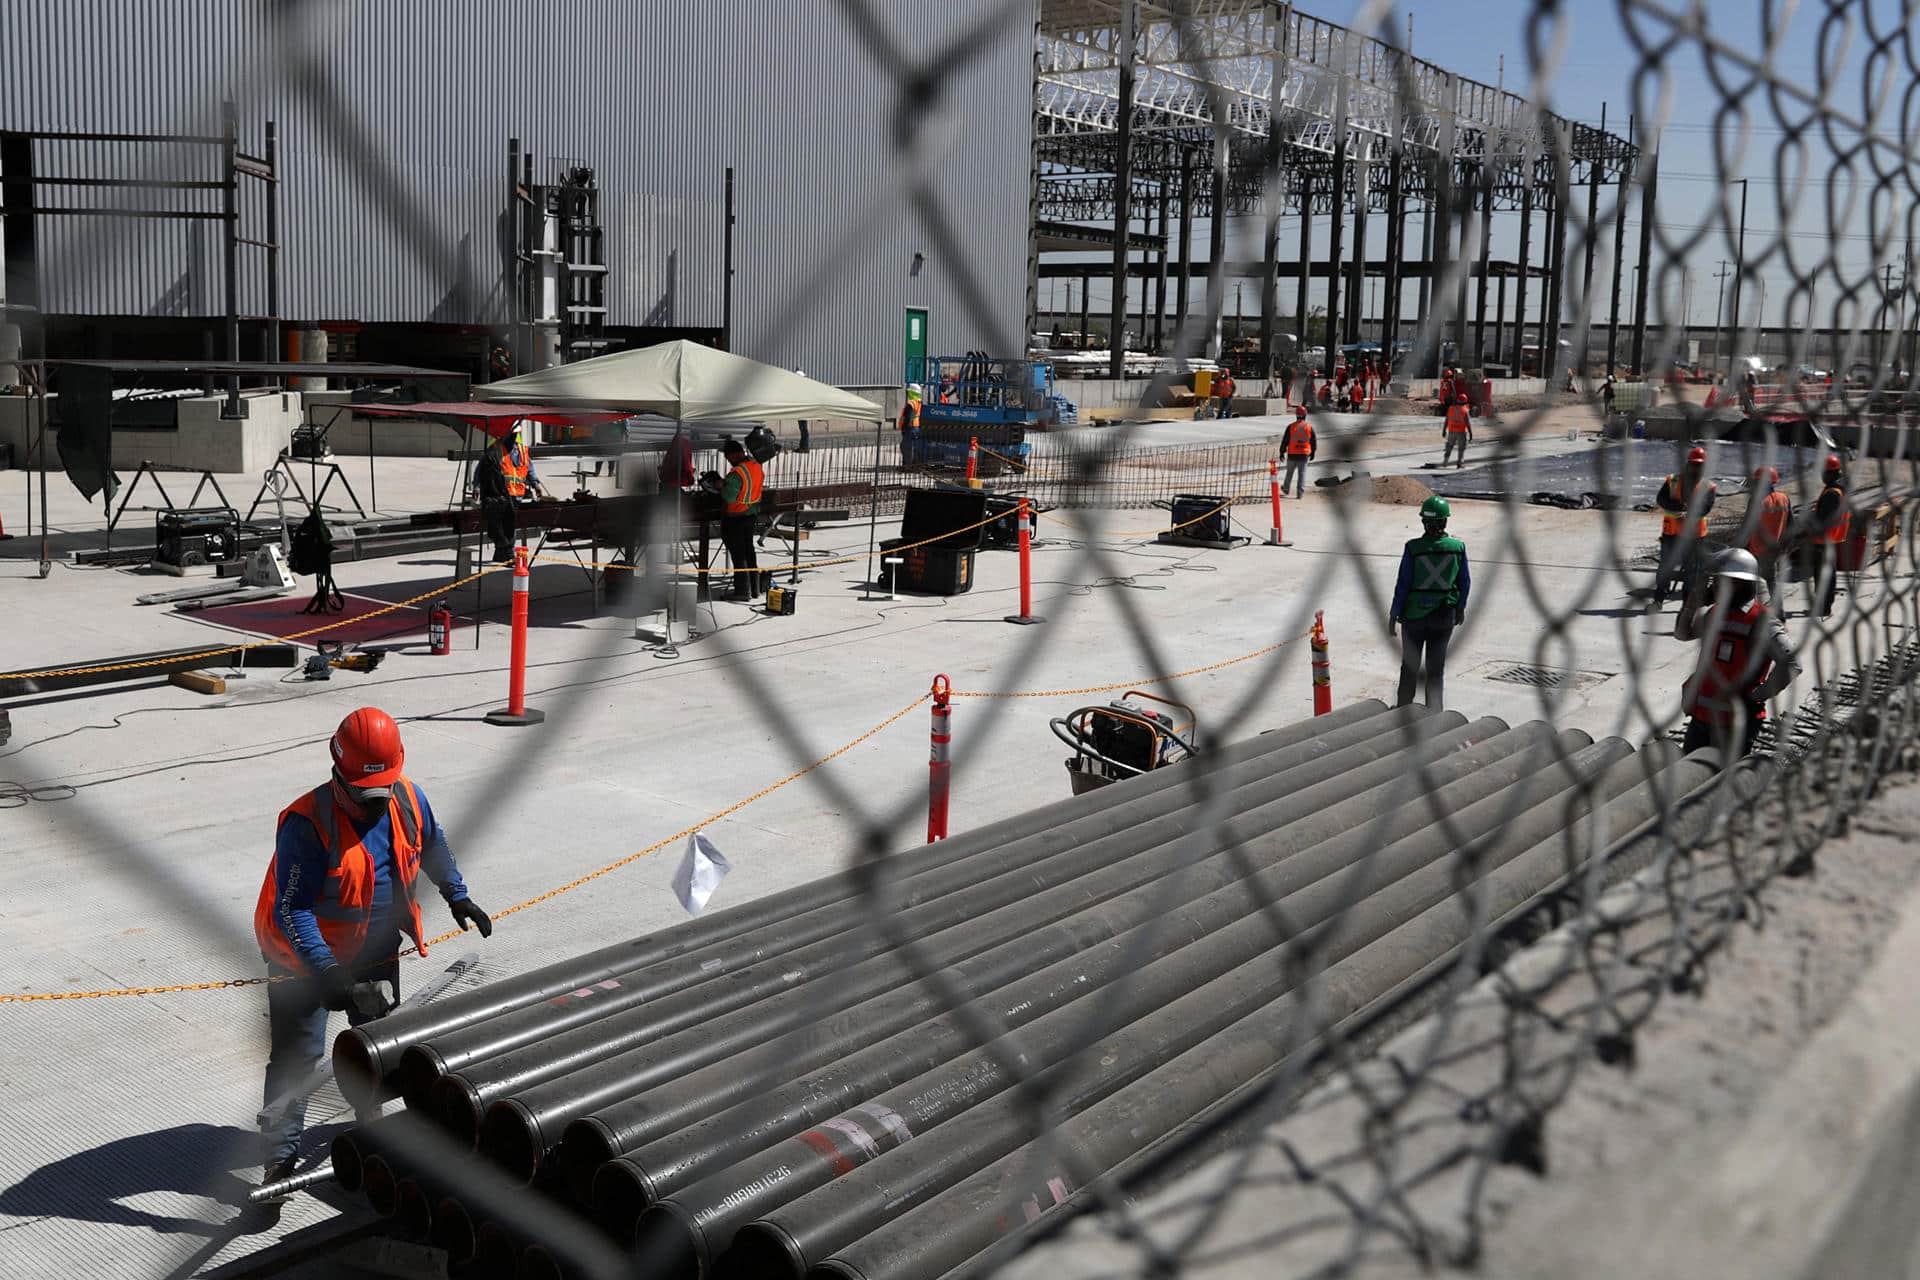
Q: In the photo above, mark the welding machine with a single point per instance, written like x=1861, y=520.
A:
x=782, y=601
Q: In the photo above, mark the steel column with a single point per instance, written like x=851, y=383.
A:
x=1217, y=254
x=1306, y=266
x=1183, y=283
x=1619, y=259
x=1646, y=260
x=1396, y=249
x=1486, y=258
x=1122, y=193
x=1561, y=159
x=230, y=245
x=1520, y=284
x=1160, y=284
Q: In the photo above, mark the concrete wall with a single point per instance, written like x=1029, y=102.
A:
x=202, y=440
x=352, y=435
x=19, y=423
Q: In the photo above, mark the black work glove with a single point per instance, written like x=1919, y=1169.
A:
x=466, y=913
x=1459, y=617
x=336, y=988
x=371, y=999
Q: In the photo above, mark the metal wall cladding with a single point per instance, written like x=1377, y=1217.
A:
x=394, y=120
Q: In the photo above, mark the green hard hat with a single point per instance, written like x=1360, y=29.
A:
x=1435, y=508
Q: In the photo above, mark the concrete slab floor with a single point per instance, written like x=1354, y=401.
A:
x=134, y=1110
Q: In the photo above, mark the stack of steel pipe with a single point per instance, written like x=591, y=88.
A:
x=768, y=1090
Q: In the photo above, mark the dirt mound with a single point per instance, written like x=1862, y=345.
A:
x=1400, y=491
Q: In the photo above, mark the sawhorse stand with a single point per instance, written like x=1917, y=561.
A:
x=149, y=471
x=284, y=466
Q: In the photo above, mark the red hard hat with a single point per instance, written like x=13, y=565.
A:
x=366, y=748
x=1770, y=475
x=1833, y=462
x=1697, y=454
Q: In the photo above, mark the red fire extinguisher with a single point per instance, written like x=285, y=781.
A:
x=440, y=630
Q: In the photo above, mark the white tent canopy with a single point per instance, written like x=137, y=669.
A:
x=684, y=381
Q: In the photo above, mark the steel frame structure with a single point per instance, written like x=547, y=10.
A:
x=1282, y=113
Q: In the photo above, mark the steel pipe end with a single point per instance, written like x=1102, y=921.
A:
x=536, y=1263
x=350, y=1152
x=455, y=1106
x=453, y=1231
x=496, y=1253
x=414, y=1076
x=761, y=1251
x=585, y=1145
x=510, y=1137
x=357, y=1068
x=622, y=1192
x=414, y=1209
x=382, y=1185
x=668, y=1243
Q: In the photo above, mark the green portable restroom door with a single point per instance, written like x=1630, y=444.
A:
x=916, y=340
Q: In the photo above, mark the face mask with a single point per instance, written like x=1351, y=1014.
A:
x=368, y=801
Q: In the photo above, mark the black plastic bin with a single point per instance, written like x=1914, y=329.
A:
x=1004, y=532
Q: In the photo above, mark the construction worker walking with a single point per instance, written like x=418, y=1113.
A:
x=1458, y=431
x=1829, y=527
x=1745, y=656
x=337, y=898
x=1429, y=601
x=1768, y=513
x=1684, y=502
x=740, y=496
x=1224, y=389
x=1302, y=446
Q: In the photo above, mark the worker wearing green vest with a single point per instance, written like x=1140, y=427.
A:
x=1429, y=601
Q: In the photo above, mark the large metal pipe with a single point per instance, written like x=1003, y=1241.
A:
x=351, y=1149
x=612, y=1059
x=518, y=1048
x=365, y=1056
x=949, y=1230
x=1178, y=1000
x=686, y=1097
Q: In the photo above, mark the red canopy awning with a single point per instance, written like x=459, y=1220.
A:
x=495, y=419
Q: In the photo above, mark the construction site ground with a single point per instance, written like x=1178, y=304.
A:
x=133, y=1115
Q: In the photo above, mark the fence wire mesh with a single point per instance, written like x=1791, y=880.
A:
x=1412, y=1091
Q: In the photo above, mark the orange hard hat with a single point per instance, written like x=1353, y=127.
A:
x=366, y=749
x=1770, y=475
x=1697, y=454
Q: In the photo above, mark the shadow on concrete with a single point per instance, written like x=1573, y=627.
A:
x=189, y=1159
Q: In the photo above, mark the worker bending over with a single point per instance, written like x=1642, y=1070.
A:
x=341, y=891
x=1745, y=656
x=1829, y=527
x=1458, y=431
x=740, y=496
x=1684, y=502
x=1302, y=446
x=1429, y=601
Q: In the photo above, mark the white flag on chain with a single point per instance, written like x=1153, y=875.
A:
x=699, y=875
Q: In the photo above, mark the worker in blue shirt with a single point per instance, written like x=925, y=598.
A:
x=1429, y=601
x=339, y=895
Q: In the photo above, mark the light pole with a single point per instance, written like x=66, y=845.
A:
x=1740, y=259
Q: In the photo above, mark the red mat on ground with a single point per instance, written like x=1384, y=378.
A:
x=282, y=617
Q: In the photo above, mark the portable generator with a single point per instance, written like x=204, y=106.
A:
x=1124, y=739
x=1202, y=517
x=189, y=536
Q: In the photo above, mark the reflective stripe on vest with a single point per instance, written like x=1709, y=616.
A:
x=1842, y=527
x=343, y=904
x=752, y=480
x=1434, y=583
x=1727, y=668
x=910, y=415
x=1299, y=439
x=1458, y=419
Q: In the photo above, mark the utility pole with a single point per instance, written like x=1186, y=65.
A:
x=1719, y=304
x=1740, y=260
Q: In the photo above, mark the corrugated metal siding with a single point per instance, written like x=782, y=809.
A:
x=394, y=155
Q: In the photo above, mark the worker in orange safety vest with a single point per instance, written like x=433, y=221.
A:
x=1745, y=657
x=1458, y=431
x=1301, y=446
x=340, y=893
x=1768, y=513
x=1683, y=502
x=1829, y=526
x=740, y=496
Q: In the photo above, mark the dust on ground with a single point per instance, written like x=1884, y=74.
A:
x=1400, y=491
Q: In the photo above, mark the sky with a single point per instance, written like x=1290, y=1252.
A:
x=1594, y=51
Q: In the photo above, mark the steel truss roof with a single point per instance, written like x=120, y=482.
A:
x=1255, y=72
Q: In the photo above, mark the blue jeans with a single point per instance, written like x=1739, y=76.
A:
x=297, y=1031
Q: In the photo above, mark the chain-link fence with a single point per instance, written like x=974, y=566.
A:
x=933, y=1060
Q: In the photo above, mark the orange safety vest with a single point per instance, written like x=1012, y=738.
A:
x=753, y=479
x=1459, y=420
x=1728, y=670
x=1670, y=524
x=1224, y=388
x=1770, y=534
x=910, y=416
x=1299, y=438
x=514, y=465
x=1841, y=528
x=344, y=905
